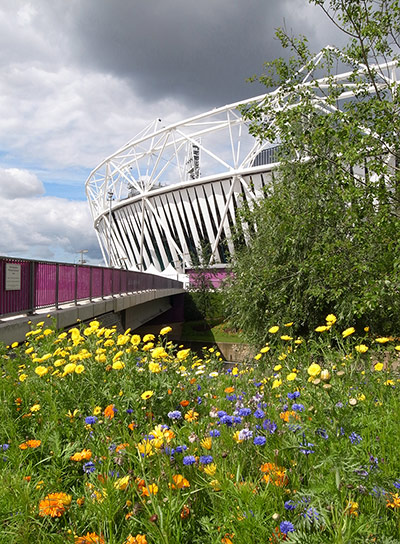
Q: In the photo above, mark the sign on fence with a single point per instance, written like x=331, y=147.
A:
x=13, y=277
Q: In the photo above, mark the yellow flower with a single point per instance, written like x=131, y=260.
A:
x=289, y=324
x=122, y=483
x=382, y=340
x=155, y=367
x=23, y=377
x=273, y=329
x=322, y=328
x=331, y=319
x=182, y=354
x=210, y=469
x=117, y=356
x=135, y=340
x=265, y=349
x=97, y=410
x=314, y=369
x=191, y=415
x=378, y=367
x=258, y=356
x=123, y=339
x=147, y=394
x=362, y=348
x=276, y=383
x=148, y=346
x=69, y=368
x=41, y=370
x=118, y=365
x=286, y=337
x=79, y=369
x=277, y=368
x=206, y=443
x=148, y=338
x=292, y=376
x=159, y=353
x=165, y=330
x=348, y=331
x=35, y=408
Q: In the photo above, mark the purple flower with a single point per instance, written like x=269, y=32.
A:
x=245, y=434
x=221, y=413
x=294, y=395
x=259, y=414
x=298, y=407
x=269, y=426
x=215, y=432
x=129, y=410
x=311, y=514
x=89, y=467
x=175, y=414
x=355, y=438
x=205, y=459
x=243, y=412
x=90, y=420
x=5, y=447
x=290, y=505
x=180, y=449
x=286, y=527
x=322, y=433
x=226, y=420
x=189, y=460
x=259, y=441
x=397, y=484
x=306, y=448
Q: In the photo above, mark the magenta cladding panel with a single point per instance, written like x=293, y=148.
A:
x=216, y=277
x=115, y=281
x=97, y=285
x=66, y=283
x=13, y=301
x=107, y=281
x=83, y=282
x=124, y=281
x=45, y=282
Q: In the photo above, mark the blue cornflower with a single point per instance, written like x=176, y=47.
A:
x=339, y=405
x=112, y=447
x=259, y=440
x=199, y=400
x=205, y=459
x=290, y=505
x=355, y=438
x=175, y=414
x=269, y=426
x=294, y=428
x=306, y=448
x=129, y=410
x=5, y=447
x=286, y=527
x=189, y=460
x=311, y=514
x=180, y=449
x=221, y=413
x=294, y=395
x=397, y=484
x=237, y=420
x=231, y=398
x=322, y=433
x=215, y=432
x=298, y=407
x=89, y=467
x=259, y=414
x=244, y=412
x=90, y=420
x=226, y=420
x=199, y=388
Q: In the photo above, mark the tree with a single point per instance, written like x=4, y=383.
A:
x=327, y=234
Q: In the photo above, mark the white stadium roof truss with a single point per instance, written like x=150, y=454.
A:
x=154, y=202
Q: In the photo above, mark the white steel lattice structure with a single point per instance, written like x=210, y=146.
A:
x=172, y=190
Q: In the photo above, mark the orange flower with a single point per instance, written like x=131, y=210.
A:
x=394, y=501
x=54, y=505
x=89, y=538
x=152, y=489
x=30, y=444
x=274, y=474
x=121, y=447
x=185, y=512
x=179, y=482
x=138, y=539
x=109, y=411
x=83, y=455
x=184, y=403
x=285, y=416
x=169, y=391
x=132, y=425
x=229, y=389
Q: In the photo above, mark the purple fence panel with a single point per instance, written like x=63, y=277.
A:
x=107, y=281
x=124, y=281
x=66, y=283
x=97, y=282
x=115, y=281
x=45, y=282
x=83, y=282
x=15, y=300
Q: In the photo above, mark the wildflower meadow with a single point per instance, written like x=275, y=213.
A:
x=114, y=438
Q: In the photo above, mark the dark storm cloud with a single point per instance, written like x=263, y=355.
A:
x=200, y=52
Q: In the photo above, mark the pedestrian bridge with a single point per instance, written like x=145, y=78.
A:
x=61, y=294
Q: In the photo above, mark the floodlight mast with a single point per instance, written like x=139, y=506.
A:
x=151, y=202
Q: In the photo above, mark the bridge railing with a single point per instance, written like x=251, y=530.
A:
x=27, y=285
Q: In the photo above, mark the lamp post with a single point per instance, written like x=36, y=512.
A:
x=82, y=251
x=110, y=198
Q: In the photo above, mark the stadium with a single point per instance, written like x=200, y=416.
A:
x=172, y=191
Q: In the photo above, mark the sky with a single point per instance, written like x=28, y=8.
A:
x=79, y=78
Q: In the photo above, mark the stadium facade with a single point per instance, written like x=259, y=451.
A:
x=172, y=191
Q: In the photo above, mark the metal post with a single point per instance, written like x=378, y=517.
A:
x=32, y=289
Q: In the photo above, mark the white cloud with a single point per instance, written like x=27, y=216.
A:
x=16, y=183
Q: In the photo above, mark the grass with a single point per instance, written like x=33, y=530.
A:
x=113, y=438
x=210, y=331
